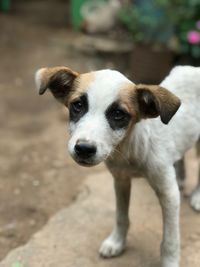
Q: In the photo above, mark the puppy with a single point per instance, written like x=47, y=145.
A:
x=124, y=124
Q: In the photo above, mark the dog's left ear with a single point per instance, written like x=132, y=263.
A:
x=59, y=80
x=154, y=101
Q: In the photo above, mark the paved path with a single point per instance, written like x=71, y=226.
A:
x=72, y=237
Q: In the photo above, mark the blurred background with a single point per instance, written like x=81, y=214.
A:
x=143, y=39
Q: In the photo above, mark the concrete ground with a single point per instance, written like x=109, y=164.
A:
x=38, y=179
x=72, y=237
x=37, y=176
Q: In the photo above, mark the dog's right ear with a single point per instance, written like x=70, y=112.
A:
x=59, y=80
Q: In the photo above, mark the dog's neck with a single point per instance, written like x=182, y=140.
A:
x=131, y=153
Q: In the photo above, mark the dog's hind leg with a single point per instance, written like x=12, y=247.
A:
x=195, y=197
x=180, y=172
x=114, y=245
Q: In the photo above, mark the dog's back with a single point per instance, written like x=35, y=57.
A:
x=184, y=81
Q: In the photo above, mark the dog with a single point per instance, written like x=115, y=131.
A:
x=134, y=130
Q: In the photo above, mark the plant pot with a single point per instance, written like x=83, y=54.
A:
x=149, y=65
x=186, y=59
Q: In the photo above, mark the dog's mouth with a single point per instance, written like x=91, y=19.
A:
x=86, y=163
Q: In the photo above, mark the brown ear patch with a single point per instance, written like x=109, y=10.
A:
x=59, y=80
x=156, y=101
x=148, y=104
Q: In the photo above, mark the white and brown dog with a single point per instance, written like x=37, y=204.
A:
x=124, y=124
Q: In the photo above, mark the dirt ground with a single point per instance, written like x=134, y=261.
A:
x=37, y=176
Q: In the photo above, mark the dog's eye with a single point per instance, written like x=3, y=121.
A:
x=118, y=115
x=77, y=106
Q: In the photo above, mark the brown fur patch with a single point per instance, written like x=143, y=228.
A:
x=128, y=100
x=80, y=86
x=47, y=73
x=166, y=103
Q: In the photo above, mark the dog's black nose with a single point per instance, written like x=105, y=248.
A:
x=85, y=150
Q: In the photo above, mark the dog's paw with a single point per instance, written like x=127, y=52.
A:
x=111, y=248
x=169, y=263
x=195, y=200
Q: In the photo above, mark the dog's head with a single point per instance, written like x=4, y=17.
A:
x=103, y=106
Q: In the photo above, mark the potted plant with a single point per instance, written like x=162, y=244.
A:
x=148, y=23
x=188, y=33
x=161, y=29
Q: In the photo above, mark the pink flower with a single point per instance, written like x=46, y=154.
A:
x=193, y=37
x=198, y=24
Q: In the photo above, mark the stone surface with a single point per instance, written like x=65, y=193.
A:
x=73, y=236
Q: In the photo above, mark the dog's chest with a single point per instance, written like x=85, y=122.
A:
x=125, y=168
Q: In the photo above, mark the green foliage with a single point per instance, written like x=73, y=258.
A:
x=160, y=21
x=187, y=24
x=147, y=22
x=186, y=45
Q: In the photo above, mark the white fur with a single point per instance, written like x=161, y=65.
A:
x=38, y=78
x=93, y=127
x=151, y=149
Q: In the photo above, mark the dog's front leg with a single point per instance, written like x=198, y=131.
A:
x=114, y=245
x=166, y=188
